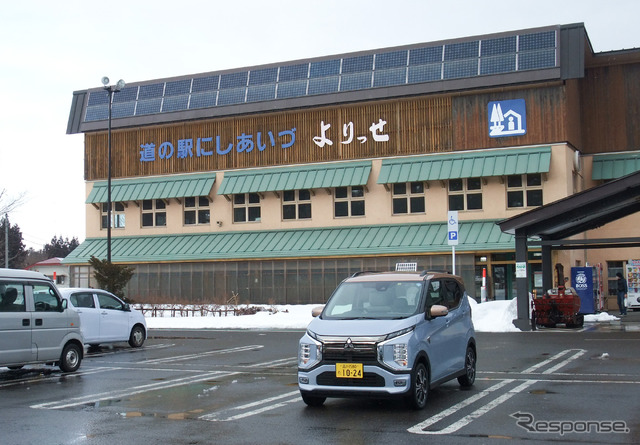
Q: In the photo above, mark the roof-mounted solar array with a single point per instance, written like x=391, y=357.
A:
x=466, y=59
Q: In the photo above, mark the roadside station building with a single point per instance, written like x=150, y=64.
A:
x=275, y=182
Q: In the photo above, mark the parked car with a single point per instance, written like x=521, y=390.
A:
x=35, y=324
x=389, y=335
x=105, y=318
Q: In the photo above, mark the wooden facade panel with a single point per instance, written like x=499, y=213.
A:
x=611, y=108
x=414, y=126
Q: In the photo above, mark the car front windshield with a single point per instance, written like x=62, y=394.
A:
x=374, y=300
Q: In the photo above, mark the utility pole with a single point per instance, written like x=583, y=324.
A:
x=6, y=240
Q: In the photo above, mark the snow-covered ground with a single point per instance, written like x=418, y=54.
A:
x=493, y=316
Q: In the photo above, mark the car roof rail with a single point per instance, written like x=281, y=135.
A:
x=363, y=272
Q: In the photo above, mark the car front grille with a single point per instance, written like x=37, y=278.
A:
x=369, y=379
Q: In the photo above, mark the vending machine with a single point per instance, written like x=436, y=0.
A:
x=633, y=284
x=586, y=282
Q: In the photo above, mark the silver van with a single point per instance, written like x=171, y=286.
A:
x=35, y=324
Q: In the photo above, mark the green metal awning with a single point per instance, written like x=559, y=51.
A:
x=485, y=163
x=315, y=176
x=181, y=186
x=615, y=165
x=300, y=243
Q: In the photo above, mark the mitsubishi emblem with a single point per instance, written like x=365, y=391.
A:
x=348, y=345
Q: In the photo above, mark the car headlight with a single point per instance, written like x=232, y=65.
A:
x=309, y=352
x=395, y=354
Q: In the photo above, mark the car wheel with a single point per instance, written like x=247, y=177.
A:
x=136, y=339
x=419, y=392
x=70, y=358
x=312, y=400
x=469, y=376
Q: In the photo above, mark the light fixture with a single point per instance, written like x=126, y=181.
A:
x=110, y=90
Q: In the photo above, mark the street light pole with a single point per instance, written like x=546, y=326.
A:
x=111, y=89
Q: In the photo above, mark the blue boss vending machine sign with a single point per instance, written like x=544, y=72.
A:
x=582, y=280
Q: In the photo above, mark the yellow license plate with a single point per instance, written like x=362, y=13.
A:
x=349, y=370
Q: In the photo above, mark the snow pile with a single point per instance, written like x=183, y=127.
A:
x=492, y=316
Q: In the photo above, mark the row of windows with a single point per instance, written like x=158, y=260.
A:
x=407, y=198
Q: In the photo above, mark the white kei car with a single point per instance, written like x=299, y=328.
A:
x=105, y=318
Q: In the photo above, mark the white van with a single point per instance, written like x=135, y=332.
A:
x=35, y=324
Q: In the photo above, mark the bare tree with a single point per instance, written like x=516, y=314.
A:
x=7, y=203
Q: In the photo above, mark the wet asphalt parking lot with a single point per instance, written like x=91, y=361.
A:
x=239, y=387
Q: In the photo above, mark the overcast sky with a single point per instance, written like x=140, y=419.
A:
x=48, y=49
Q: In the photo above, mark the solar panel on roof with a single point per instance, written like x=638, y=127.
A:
x=324, y=85
x=460, y=68
x=261, y=92
x=498, y=64
x=149, y=106
x=231, y=96
x=97, y=113
x=151, y=91
x=358, y=81
x=125, y=109
x=207, y=99
x=537, y=59
x=393, y=59
x=423, y=56
x=177, y=87
x=260, y=77
x=325, y=68
x=387, y=78
x=503, y=45
x=293, y=72
x=425, y=73
x=357, y=64
x=98, y=98
x=208, y=83
x=126, y=94
x=463, y=50
x=234, y=80
x=175, y=103
x=292, y=89
x=538, y=40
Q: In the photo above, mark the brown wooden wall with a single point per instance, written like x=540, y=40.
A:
x=421, y=125
x=611, y=108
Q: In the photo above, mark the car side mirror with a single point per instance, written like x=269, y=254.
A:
x=437, y=310
x=63, y=305
x=127, y=308
x=316, y=311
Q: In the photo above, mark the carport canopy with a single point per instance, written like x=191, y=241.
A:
x=551, y=224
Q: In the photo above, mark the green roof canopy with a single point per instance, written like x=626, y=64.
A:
x=305, y=243
x=616, y=165
x=123, y=190
x=515, y=161
x=315, y=176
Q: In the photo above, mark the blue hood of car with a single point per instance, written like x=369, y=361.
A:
x=365, y=328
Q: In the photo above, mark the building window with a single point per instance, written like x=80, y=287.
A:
x=196, y=210
x=246, y=207
x=348, y=201
x=296, y=204
x=465, y=194
x=524, y=190
x=408, y=198
x=117, y=215
x=154, y=213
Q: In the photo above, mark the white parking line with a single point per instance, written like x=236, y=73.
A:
x=202, y=354
x=217, y=416
x=455, y=426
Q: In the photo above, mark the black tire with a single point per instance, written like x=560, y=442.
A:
x=469, y=377
x=419, y=391
x=312, y=400
x=70, y=358
x=136, y=339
